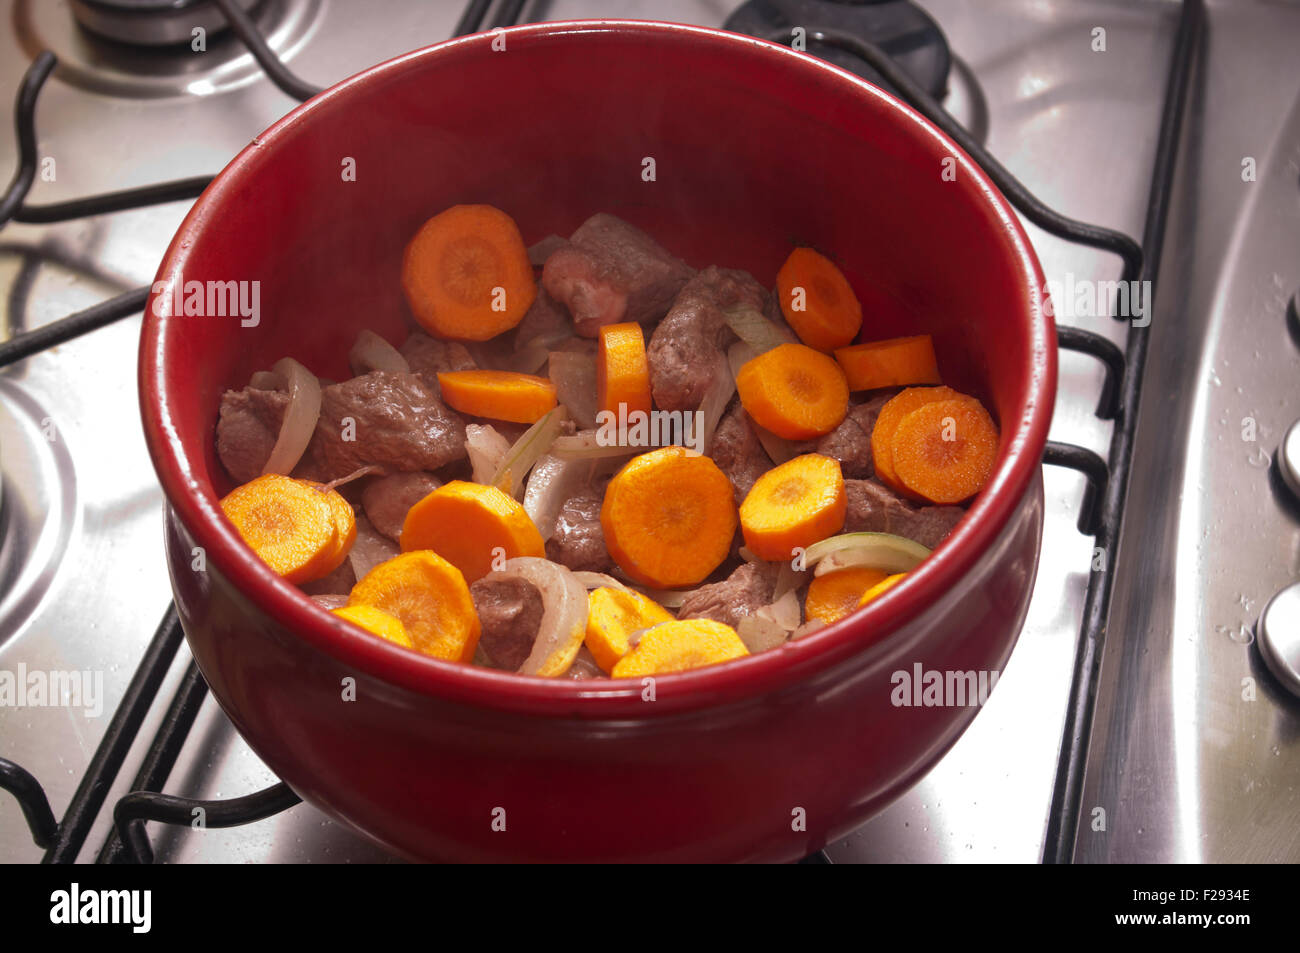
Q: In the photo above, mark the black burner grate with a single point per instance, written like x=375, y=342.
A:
x=1101, y=514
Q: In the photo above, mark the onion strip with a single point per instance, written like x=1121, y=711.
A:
x=373, y=353
x=715, y=400
x=883, y=551
x=527, y=450
x=754, y=328
x=300, y=417
x=486, y=449
x=564, y=614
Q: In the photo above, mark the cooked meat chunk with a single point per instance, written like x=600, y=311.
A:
x=873, y=508
x=429, y=356
x=611, y=271
x=340, y=580
x=684, y=347
x=386, y=419
x=750, y=587
x=850, y=442
x=387, y=499
x=332, y=600
x=510, y=612
x=579, y=540
x=247, y=430
x=738, y=453
x=546, y=322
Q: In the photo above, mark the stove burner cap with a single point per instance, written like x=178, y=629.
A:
x=151, y=22
x=899, y=27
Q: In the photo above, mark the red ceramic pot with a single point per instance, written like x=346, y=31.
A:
x=755, y=148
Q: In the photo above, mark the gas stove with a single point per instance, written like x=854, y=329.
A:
x=1138, y=719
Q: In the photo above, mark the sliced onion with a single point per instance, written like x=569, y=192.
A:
x=544, y=249
x=564, y=614
x=373, y=353
x=370, y=548
x=759, y=634
x=529, y=358
x=715, y=400
x=754, y=328
x=267, y=380
x=486, y=449
x=527, y=450
x=583, y=445
x=552, y=481
x=599, y=580
x=883, y=551
x=574, y=377
x=299, y=417
x=788, y=579
x=812, y=625
x=668, y=598
x=784, y=611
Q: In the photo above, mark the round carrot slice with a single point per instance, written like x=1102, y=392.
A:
x=680, y=645
x=793, y=505
x=895, y=409
x=376, y=622
x=669, y=517
x=500, y=395
x=945, y=451
x=471, y=526
x=794, y=391
x=622, y=372
x=613, y=615
x=884, y=584
x=288, y=523
x=897, y=362
x=466, y=274
x=833, y=596
x=430, y=598
x=817, y=301
x=345, y=521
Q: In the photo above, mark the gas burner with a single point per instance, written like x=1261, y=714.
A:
x=38, y=497
x=899, y=27
x=152, y=22
x=144, y=48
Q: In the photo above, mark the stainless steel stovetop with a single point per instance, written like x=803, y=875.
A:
x=1195, y=752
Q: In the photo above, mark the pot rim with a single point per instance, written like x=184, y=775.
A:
x=197, y=507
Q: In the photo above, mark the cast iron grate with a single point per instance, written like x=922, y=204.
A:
x=1101, y=513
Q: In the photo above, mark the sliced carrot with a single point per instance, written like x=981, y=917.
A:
x=793, y=505
x=669, y=517
x=794, y=391
x=430, y=598
x=470, y=525
x=288, y=523
x=817, y=301
x=622, y=371
x=377, y=622
x=466, y=274
x=345, y=521
x=613, y=615
x=680, y=645
x=898, y=407
x=897, y=362
x=944, y=452
x=833, y=596
x=500, y=395
x=884, y=584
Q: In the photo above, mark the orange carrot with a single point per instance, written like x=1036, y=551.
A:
x=898, y=407
x=430, y=598
x=669, y=517
x=613, y=615
x=794, y=391
x=376, y=622
x=345, y=521
x=500, y=395
x=622, y=372
x=944, y=452
x=288, y=523
x=680, y=645
x=471, y=526
x=466, y=274
x=793, y=505
x=833, y=596
x=887, y=583
x=817, y=301
x=893, y=363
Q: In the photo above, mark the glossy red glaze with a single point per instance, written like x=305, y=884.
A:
x=755, y=148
